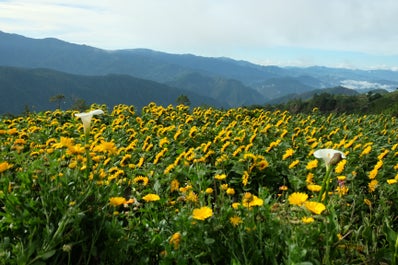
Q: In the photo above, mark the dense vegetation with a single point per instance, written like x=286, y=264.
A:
x=369, y=103
x=174, y=185
x=32, y=90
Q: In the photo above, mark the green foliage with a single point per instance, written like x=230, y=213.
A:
x=132, y=192
x=371, y=103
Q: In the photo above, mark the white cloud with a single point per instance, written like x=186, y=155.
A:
x=365, y=85
x=208, y=27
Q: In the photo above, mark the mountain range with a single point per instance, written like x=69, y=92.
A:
x=33, y=70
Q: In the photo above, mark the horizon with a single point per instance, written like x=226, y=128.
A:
x=340, y=34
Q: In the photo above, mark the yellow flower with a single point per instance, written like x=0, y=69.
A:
x=262, y=164
x=366, y=150
x=367, y=202
x=175, y=240
x=342, y=190
x=392, y=181
x=283, y=188
x=245, y=178
x=372, y=185
x=64, y=142
x=141, y=179
x=297, y=198
x=250, y=200
x=116, y=201
x=235, y=205
x=106, y=147
x=230, y=191
x=294, y=163
x=75, y=149
x=163, y=141
x=288, y=153
x=340, y=166
x=192, y=197
x=220, y=176
x=209, y=191
x=307, y=220
x=378, y=165
x=202, y=213
x=312, y=164
x=151, y=197
x=174, y=185
x=314, y=187
x=373, y=173
x=235, y=220
x=4, y=166
x=382, y=155
x=315, y=207
x=224, y=186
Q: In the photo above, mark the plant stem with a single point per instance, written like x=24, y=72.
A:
x=325, y=184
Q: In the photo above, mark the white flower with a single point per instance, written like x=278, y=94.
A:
x=86, y=118
x=330, y=156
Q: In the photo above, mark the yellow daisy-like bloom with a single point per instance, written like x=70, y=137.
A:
x=379, y=164
x=382, y=155
x=366, y=150
x=340, y=166
x=245, y=178
x=315, y=207
x=175, y=240
x=163, y=141
x=262, y=164
x=235, y=205
x=372, y=185
x=202, y=213
x=220, y=176
x=391, y=181
x=342, y=190
x=75, y=149
x=312, y=164
x=283, y=188
x=314, y=187
x=174, y=185
x=63, y=142
x=151, y=197
x=106, y=147
x=192, y=197
x=294, y=163
x=367, y=202
x=250, y=200
x=307, y=220
x=288, y=153
x=224, y=186
x=4, y=166
x=373, y=173
x=230, y=191
x=116, y=201
x=235, y=220
x=209, y=191
x=297, y=198
x=141, y=179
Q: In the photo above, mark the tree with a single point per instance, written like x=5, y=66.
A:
x=58, y=99
x=80, y=104
x=184, y=100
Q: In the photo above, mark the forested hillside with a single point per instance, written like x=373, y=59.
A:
x=37, y=90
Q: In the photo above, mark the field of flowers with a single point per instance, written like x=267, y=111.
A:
x=174, y=185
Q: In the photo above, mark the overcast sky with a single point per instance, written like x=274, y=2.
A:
x=339, y=33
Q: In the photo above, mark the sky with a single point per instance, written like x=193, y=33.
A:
x=360, y=34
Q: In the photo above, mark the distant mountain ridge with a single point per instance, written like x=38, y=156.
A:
x=227, y=80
